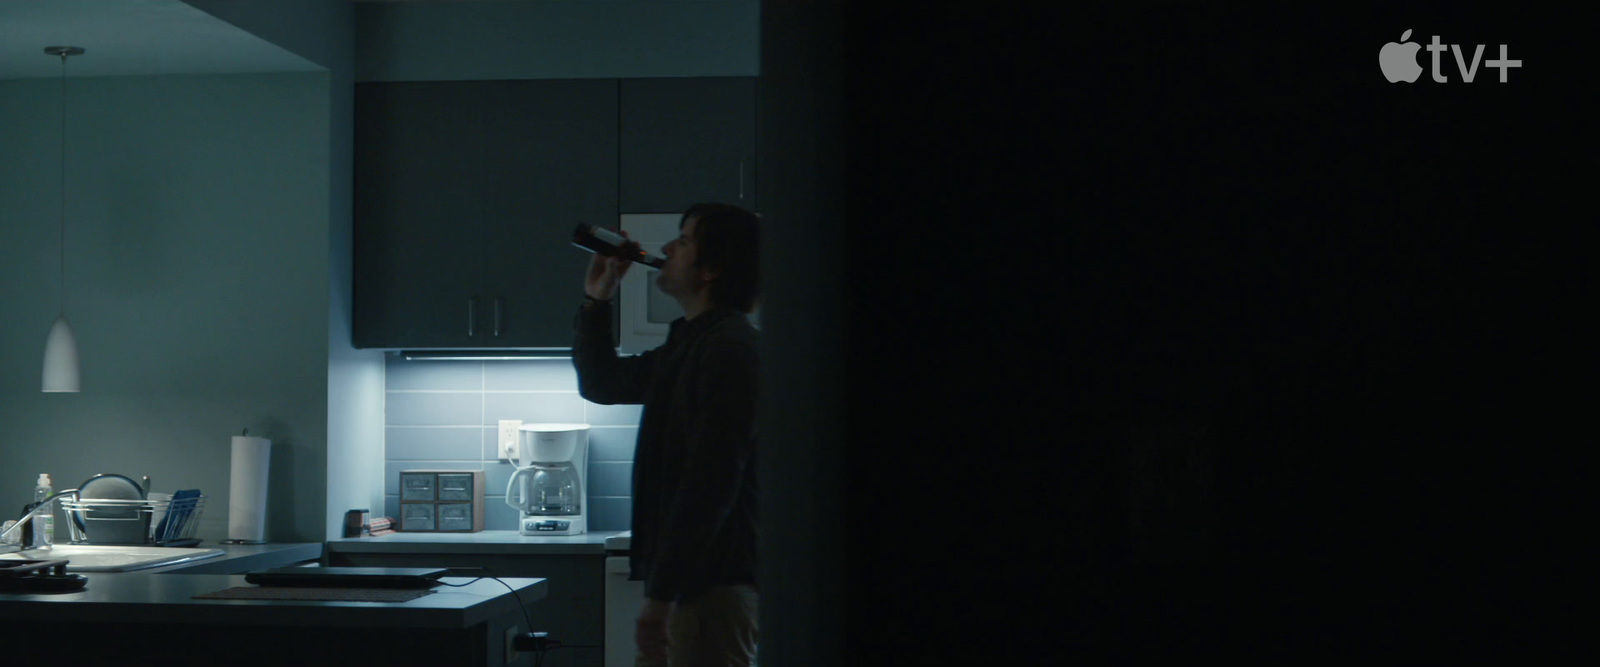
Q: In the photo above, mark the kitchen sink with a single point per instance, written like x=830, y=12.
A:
x=108, y=558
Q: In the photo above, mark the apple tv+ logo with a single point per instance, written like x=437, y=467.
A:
x=1399, y=61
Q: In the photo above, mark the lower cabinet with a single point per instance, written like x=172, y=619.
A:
x=573, y=612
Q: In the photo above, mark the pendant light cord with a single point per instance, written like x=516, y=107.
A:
x=63, y=263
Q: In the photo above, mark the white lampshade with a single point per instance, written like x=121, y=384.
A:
x=61, y=358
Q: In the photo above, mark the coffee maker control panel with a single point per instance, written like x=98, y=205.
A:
x=545, y=526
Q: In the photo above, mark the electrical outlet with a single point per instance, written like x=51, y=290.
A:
x=510, y=439
x=511, y=642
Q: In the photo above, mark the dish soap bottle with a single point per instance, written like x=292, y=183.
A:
x=45, y=520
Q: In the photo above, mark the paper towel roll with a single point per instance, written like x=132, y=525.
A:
x=247, y=489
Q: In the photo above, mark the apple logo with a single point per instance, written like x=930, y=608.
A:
x=1399, y=61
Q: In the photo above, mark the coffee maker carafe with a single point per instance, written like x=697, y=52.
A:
x=548, y=485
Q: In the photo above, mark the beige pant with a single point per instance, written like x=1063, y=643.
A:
x=716, y=629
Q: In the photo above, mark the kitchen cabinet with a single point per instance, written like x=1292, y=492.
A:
x=572, y=611
x=687, y=140
x=466, y=194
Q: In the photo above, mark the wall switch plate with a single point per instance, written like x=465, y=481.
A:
x=510, y=439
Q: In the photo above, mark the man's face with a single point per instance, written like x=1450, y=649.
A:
x=679, y=276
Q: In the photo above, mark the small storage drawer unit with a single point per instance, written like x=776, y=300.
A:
x=443, y=501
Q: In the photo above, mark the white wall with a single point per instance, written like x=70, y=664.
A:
x=197, y=268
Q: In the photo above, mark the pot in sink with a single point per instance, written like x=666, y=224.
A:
x=113, y=511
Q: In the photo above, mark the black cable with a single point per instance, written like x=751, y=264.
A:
x=542, y=644
x=524, y=608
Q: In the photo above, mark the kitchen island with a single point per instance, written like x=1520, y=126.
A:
x=158, y=618
x=574, y=566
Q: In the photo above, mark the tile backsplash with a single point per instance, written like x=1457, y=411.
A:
x=445, y=415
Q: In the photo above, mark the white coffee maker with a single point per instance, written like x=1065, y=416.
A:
x=551, y=479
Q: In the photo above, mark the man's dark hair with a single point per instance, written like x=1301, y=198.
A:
x=728, y=241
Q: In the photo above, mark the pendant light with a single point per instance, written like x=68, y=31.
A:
x=61, y=348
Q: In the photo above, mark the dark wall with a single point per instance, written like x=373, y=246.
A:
x=1179, y=330
x=805, y=529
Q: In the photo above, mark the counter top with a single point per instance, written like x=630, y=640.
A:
x=135, y=597
x=482, y=542
x=234, y=559
x=238, y=558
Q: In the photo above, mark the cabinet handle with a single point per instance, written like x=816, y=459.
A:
x=472, y=316
x=741, y=179
x=497, y=301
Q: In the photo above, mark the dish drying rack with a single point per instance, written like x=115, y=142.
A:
x=165, y=522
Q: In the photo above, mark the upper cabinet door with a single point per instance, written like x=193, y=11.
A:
x=551, y=163
x=687, y=140
x=466, y=196
x=418, y=203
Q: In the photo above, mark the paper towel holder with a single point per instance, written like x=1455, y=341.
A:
x=241, y=541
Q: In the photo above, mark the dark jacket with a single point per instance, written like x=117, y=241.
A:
x=694, y=476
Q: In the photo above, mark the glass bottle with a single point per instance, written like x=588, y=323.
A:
x=602, y=241
x=45, y=520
